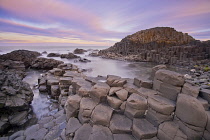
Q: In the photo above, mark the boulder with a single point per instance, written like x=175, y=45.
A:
x=79, y=51
x=191, y=111
x=169, y=91
x=86, y=107
x=100, y=133
x=111, y=78
x=24, y=56
x=156, y=68
x=122, y=94
x=132, y=112
x=84, y=60
x=99, y=92
x=114, y=102
x=101, y=115
x=69, y=56
x=208, y=121
x=161, y=104
x=120, y=124
x=170, y=77
x=53, y=55
x=190, y=90
x=142, y=129
x=136, y=101
x=45, y=63
x=143, y=82
x=113, y=90
x=72, y=106
x=145, y=92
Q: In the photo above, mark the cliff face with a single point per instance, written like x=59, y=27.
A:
x=161, y=45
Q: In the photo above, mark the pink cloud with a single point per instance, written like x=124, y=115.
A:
x=50, y=10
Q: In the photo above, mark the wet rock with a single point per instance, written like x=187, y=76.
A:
x=115, y=81
x=170, y=77
x=84, y=60
x=142, y=129
x=25, y=56
x=99, y=92
x=16, y=135
x=120, y=124
x=30, y=130
x=100, y=132
x=79, y=51
x=38, y=135
x=18, y=118
x=44, y=63
x=101, y=115
x=69, y=56
x=54, y=133
x=190, y=90
x=53, y=55
x=188, y=106
x=83, y=133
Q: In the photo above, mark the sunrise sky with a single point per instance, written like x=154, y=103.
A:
x=96, y=22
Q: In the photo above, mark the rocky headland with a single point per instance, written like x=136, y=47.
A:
x=162, y=45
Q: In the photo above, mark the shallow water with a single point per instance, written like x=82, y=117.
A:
x=42, y=104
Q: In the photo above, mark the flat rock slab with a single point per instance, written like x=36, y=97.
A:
x=170, y=77
x=83, y=132
x=157, y=118
x=102, y=115
x=123, y=137
x=100, y=133
x=170, y=131
x=120, y=124
x=72, y=125
x=161, y=104
x=142, y=129
x=191, y=111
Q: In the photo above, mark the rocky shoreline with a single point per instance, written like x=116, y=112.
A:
x=162, y=45
x=113, y=107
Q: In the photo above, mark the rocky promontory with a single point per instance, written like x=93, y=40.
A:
x=163, y=45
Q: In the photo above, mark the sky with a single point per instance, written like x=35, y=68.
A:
x=96, y=22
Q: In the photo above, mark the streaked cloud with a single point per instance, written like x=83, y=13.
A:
x=97, y=22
